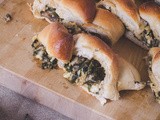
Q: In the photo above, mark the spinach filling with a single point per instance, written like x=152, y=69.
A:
x=83, y=71
x=73, y=28
x=148, y=38
x=44, y=60
x=51, y=14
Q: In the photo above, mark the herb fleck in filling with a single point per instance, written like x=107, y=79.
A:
x=44, y=60
x=51, y=14
x=83, y=71
x=148, y=37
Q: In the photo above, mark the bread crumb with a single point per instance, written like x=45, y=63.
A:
x=7, y=18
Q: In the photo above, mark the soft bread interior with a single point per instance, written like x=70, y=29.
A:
x=129, y=78
x=39, y=5
x=85, y=48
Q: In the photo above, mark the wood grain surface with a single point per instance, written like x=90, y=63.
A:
x=20, y=73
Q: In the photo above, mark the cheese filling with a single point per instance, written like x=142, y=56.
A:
x=42, y=57
x=85, y=72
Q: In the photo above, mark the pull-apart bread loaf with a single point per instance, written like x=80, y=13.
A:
x=154, y=71
x=87, y=62
x=81, y=16
x=138, y=30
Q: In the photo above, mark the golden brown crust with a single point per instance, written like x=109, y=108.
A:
x=106, y=23
x=130, y=7
x=95, y=42
x=85, y=8
x=58, y=42
x=150, y=9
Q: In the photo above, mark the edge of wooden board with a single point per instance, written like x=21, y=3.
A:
x=39, y=93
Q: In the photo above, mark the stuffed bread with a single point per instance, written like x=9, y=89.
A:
x=80, y=16
x=87, y=62
x=138, y=30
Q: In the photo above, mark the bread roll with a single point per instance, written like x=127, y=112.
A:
x=57, y=41
x=150, y=12
x=88, y=62
x=119, y=74
x=79, y=11
x=106, y=25
x=127, y=11
x=138, y=30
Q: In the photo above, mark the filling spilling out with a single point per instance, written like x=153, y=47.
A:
x=42, y=57
x=80, y=70
x=85, y=72
x=153, y=85
x=72, y=27
x=148, y=38
x=50, y=13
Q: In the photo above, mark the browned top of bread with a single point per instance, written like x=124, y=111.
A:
x=95, y=42
x=130, y=8
x=58, y=42
x=85, y=8
x=151, y=9
x=106, y=24
x=110, y=23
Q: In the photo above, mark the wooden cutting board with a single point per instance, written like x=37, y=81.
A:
x=20, y=73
